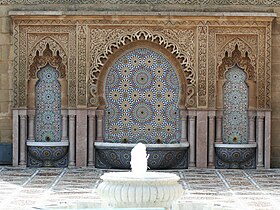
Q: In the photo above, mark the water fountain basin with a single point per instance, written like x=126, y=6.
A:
x=236, y=155
x=47, y=154
x=151, y=189
x=162, y=156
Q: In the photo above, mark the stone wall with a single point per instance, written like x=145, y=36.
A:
x=6, y=51
x=5, y=76
x=275, y=105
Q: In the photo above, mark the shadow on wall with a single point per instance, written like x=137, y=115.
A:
x=5, y=154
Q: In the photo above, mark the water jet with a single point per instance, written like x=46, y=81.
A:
x=140, y=188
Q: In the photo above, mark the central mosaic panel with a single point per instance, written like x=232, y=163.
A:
x=142, y=95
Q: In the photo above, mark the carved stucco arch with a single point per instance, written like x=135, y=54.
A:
x=233, y=55
x=44, y=52
x=54, y=61
x=182, y=50
x=136, y=44
x=245, y=50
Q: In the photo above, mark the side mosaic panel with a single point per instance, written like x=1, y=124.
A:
x=235, y=119
x=48, y=106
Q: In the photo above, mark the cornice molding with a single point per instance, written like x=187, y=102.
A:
x=149, y=2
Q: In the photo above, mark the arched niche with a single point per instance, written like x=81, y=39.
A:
x=47, y=52
x=48, y=125
x=235, y=105
x=142, y=90
x=142, y=43
x=243, y=61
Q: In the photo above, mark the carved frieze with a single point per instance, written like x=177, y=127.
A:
x=179, y=42
x=153, y=2
x=82, y=64
x=202, y=65
x=84, y=46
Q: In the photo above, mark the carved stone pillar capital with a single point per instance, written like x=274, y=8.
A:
x=183, y=113
x=72, y=117
x=100, y=113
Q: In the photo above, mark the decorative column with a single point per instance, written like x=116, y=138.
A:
x=201, y=139
x=91, y=137
x=15, y=137
x=64, y=125
x=81, y=137
x=192, y=138
x=211, y=152
x=260, y=130
x=22, y=156
x=219, y=127
x=252, y=134
x=71, y=140
x=267, y=139
x=183, y=114
x=31, y=115
x=100, y=116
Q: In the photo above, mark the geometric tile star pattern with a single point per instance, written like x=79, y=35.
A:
x=142, y=94
x=235, y=119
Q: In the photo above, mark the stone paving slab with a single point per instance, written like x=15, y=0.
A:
x=75, y=188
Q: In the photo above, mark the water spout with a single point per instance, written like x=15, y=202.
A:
x=139, y=159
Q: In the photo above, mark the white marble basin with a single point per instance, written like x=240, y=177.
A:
x=152, y=189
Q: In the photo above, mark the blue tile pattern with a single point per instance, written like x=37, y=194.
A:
x=235, y=120
x=159, y=158
x=235, y=158
x=47, y=156
x=48, y=106
x=48, y=123
x=142, y=94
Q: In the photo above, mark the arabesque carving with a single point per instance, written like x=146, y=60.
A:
x=236, y=58
x=202, y=66
x=82, y=64
x=94, y=41
x=30, y=43
x=52, y=55
x=179, y=42
x=153, y=2
x=222, y=39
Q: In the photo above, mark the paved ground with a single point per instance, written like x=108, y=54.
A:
x=76, y=189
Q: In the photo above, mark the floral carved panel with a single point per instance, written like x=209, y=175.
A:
x=199, y=45
x=179, y=42
x=31, y=41
x=202, y=37
x=252, y=42
x=47, y=50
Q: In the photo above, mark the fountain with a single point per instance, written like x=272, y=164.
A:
x=140, y=188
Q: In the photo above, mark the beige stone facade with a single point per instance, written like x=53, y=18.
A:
x=90, y=36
